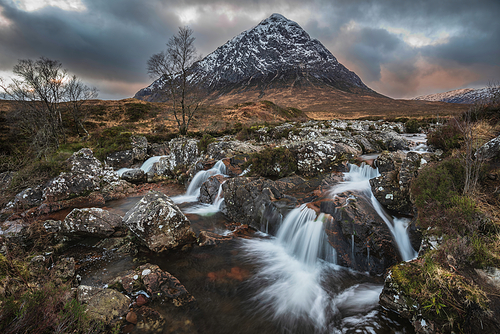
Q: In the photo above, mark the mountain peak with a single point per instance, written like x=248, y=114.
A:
x=275, y=53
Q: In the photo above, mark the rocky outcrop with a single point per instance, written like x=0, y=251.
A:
x=68, y=185
x=159, y=223
x=490, y=150
x=392, y=187
x=258, y=202
x=210, y=189
x=183, y=152
x=362, y=239
x=91, y=222
x=321, y=156
x=229, y=147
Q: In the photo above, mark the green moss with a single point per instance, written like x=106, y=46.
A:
x=273, y=162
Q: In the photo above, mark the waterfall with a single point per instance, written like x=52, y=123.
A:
x=193, y=191
x=358, y=179
x=205, y=209
x=146, y=166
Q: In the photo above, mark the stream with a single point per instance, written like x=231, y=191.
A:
x=259, y=283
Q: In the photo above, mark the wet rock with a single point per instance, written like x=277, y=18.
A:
x=108, y=306
x=135, y=176
x=321, y=156
x=354, y=219
x=159, y=223
x=90, y=222
x=258, y=202
x=150, y=321
x=210, y=189
x=392, y=187
x=490, y=150
x=161, y=285
x=141, y=300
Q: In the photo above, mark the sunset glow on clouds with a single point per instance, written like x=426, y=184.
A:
x=401, y=49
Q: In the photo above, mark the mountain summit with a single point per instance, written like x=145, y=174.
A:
x=277, y=54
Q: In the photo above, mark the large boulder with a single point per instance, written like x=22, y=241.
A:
x=258, y=202
x=322, y=155
x=210, y=188
x=90, y=222
x=361, y=238
x=127, y=158
x=229, y=147
x=392, y=187
x=135, y=175
x=159, y=223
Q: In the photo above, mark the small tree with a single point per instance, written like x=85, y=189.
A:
x=76, y=94
x=40, y=87
x=175, y=69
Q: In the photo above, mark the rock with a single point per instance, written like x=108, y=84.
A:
x=27, y=198
x=490, y=150
x=141, y=300
x=392, y=187
x=161, y=285
x=139, y=148
x=135, y=176
x=156, y=149
x=108, y=306
x=38, y=267
x=159, y=223
x=387, y=140
x=117, y=190
x=16, y=228
x=84, y=162
x=354, y=219
x=228, y=147
x=120, y=159
x=131, y=317
x=150, y=321
x=68, y=185
x=183, y=152
x=210, y=189
x=321, y=156
x=91, y=222
x=258, y=202
x=85, y=292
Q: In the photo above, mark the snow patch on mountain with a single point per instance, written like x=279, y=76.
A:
x=465, y=96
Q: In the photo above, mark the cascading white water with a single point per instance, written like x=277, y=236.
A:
x=205, y=209
x=193, y=191
x=358, y=179
x=146, y=166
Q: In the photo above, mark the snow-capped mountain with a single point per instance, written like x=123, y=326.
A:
x=464, y=96
x=275, y=53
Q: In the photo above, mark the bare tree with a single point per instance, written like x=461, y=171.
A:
x=174, y=68
x=76, y=94
x=39, y=88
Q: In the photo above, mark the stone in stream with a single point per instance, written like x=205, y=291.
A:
x=159, y=223
x=210, y=188
x=356, y=220
x=134, y=176
x=90, y=222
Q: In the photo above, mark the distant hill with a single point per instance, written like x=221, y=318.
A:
x=464, y=96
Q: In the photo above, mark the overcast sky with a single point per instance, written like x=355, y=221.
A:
x=400, y=48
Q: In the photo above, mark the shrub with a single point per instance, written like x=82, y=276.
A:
x=111, y=140
x=412, y=126
x=273, y=162
x=138, y=111
x=205, y=141
x=446, y=137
